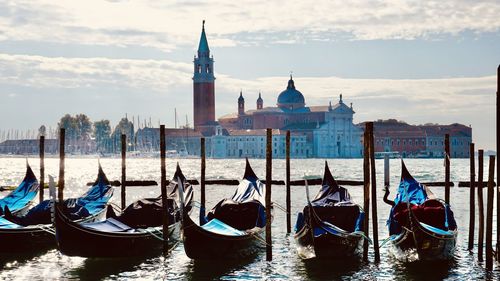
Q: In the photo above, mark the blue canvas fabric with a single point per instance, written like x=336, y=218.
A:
x=92, y=202
x=410, y=190
x=246, y=208
x=332, y=205
x=216, y=226
x=148, y=212
x=5, y=223
x=23, y=194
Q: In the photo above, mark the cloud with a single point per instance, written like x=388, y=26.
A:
x=167, y=26
x=107, y=88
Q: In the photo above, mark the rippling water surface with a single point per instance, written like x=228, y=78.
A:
x=50, y=264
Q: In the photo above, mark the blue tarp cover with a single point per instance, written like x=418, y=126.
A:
x=216, y=226
x=23, y=194
x=93, y=201
x=245, y=209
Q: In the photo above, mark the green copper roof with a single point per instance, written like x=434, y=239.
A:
x=203, y=47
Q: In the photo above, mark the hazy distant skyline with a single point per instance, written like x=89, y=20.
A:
x=418, y=61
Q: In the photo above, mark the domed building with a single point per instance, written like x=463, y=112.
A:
x=328, y=130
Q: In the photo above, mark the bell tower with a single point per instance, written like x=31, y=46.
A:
x=241, y=104
x=203, y=85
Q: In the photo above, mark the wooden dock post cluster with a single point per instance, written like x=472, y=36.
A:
x=373, y=179
x=480, y=205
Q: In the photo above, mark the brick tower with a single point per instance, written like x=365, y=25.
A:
x=203, y=87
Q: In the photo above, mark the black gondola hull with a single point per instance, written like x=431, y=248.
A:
x=76, y=240
x=327, y=246
x=27, y=239
x=203, y=245
x=423, y=245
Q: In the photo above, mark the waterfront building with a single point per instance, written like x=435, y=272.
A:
x=421, y=140
x=28, y=146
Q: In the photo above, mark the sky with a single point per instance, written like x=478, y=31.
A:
x=417, y=61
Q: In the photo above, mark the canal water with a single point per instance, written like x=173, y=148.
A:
x=51, y=265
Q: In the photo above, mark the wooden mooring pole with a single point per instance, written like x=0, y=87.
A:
x=124, y=171
x=498, y=164
x=202, y=180
x=366, y=190
x=269, y=168
x=472, y=198
x=287, y=183
x=42, y=167
x=489, y=214
x=163, y=187
x=374, y=191
x=480, y=205
x=447, y=168
x=60, y=184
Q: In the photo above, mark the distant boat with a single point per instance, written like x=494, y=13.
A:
x=331, y=225
x=420, y=226
x=391, y=154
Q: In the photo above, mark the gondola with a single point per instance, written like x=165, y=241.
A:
x=34, y=230
x=421, y=227
x=233, y=228
x=331, y=225
x=19, y=200
x=137, y=231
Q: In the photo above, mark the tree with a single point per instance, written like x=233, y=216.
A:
x=102, y=132
x=68, y=122
x=42, y=130
x=84, y=126
x=124, y=127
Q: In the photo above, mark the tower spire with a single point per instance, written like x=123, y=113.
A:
x=203, y=46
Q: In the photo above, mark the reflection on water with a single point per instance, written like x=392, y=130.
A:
x=331, y=269
x=286, y=265
x=100, y=268
x=215, y=269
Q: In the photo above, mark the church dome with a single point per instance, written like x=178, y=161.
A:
x=291, y=98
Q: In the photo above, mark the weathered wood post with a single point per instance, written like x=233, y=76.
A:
x=124, y=171
x=447, y=168
x=498, y=165
x=374, y=191
x=387, y=178
x=163, y=187
x=489, y=214
x=472, y=198
x=42, y=166
x=480, y=205
x=288, y=200
x=60, y=184
x=202, y=180
x=269, y=168
x=366, y=189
